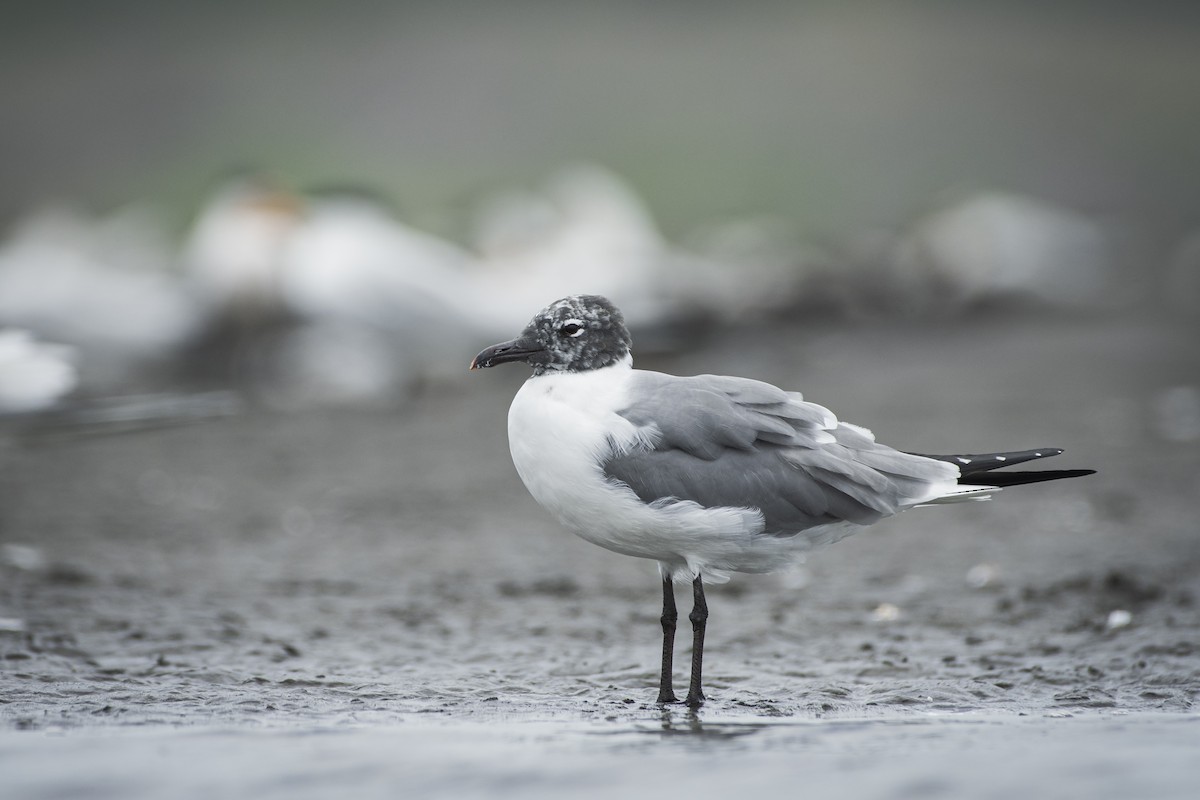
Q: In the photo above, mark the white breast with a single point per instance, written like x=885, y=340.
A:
x=563, y=427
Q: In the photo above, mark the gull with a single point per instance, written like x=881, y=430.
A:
x=588, y=225
x=100, y=285
x=709, y=474
x=235, y=254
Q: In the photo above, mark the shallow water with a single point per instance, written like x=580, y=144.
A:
x=369, y=601
x=978, y=756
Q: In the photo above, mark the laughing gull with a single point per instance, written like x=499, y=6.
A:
x=706, y=475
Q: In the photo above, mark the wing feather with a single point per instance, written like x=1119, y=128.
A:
x=725, y=441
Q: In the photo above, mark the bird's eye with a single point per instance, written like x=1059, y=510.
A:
x=570, y=329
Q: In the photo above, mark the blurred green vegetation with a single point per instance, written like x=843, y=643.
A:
x=836, y=118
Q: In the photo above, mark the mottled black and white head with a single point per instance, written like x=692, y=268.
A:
x=576, y=334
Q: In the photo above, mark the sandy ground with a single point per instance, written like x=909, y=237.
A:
x=369, y=603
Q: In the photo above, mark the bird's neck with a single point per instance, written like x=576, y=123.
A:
x=623, y=364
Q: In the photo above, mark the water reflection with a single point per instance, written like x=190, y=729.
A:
x=686, y=724
x=690, y=723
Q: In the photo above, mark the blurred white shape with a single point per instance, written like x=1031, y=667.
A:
x=22, y=557
x=235, y=252
x=98, y=284
x=409, y=293
x=11, y=625
x=33, y=374
x=334, y=300
x=1118, y=618
x=1176, y=416
x=371, y=296
x=885, y=612
x=585, y=233
x=996, y=244
x=353, y=259
x=354, y=276
x=982, y=576
x=588, y=232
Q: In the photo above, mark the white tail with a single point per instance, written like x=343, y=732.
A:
x=961, y=494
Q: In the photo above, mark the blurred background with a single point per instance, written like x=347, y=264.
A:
x=969, y=225
x=272, y=195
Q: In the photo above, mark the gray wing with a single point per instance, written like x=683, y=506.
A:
x=724, y=441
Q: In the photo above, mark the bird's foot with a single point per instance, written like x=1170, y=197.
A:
x=666, y=696
x=695, y=699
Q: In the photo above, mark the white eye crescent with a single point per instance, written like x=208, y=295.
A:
x=571, y=328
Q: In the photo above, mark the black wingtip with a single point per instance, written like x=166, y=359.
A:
x=984, y=469
x=972, y=463
x=1003, y=479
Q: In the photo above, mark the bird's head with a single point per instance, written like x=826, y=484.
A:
x=575, y=334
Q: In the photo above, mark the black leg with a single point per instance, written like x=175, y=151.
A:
x=699, y=617
x=665, y=693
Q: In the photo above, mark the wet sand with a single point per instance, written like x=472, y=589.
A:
x=369, y=602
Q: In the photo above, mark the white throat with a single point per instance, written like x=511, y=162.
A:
x=561, y=426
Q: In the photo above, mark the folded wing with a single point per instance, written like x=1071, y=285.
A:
x=724, y=441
